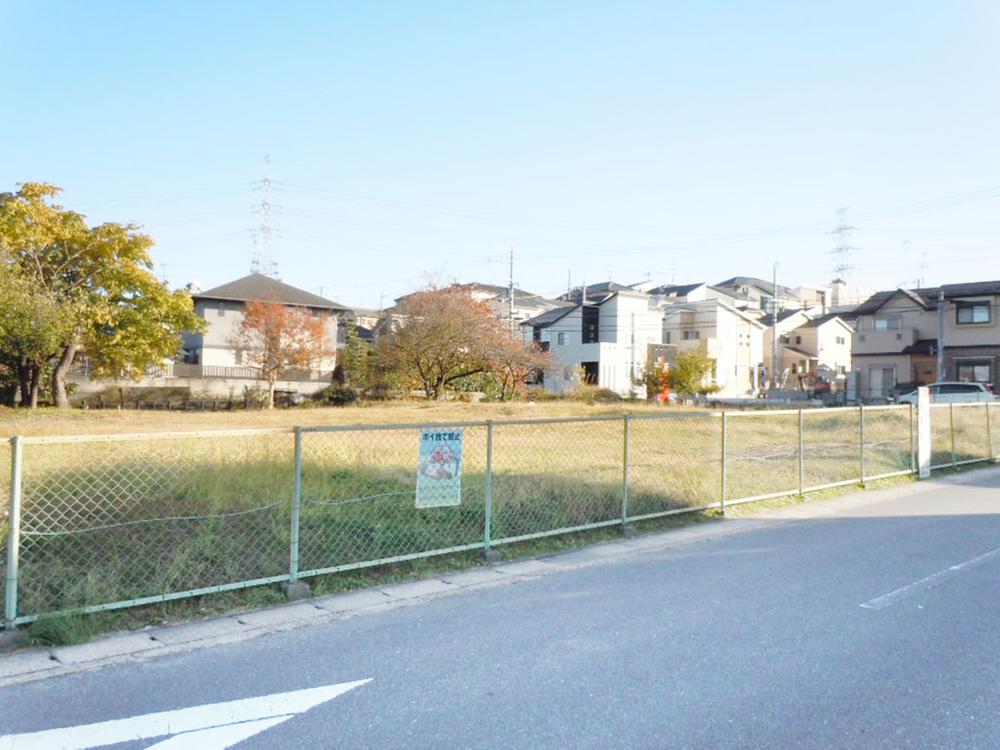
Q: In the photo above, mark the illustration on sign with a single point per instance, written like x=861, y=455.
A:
x=439, y=474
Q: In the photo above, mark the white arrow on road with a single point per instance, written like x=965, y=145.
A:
x=213, y=726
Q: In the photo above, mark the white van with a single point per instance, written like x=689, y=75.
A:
x=952, y=393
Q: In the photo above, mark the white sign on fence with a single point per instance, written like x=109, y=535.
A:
x=439, y=469
x=924, y=431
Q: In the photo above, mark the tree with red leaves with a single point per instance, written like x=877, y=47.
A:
x=276, y=337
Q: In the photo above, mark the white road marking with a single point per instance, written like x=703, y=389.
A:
x=217, y=738
x=887, y=600
x=241, y=713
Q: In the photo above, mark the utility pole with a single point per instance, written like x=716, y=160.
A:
x=940, y=341
x=510, y=293
x=774, y=327
x=632, y=371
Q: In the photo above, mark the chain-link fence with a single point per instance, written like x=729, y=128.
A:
x=115, y=521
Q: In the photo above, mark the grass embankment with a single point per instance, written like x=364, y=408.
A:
x=119, y=520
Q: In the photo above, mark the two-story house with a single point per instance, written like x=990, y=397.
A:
x=730, y=337
x=808, y=344
x=604, y=339
x=222, y=308
x=898, y=334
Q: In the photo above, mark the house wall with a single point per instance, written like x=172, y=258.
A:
x=626, y=326
x=214, y=347
x=735, y=343
x=834, y=356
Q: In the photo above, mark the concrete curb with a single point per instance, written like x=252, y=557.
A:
x=40, y=663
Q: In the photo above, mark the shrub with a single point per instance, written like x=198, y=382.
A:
x=336, y=395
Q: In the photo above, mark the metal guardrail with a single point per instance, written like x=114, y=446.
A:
x=109, y=521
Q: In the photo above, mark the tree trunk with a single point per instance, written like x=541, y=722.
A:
x=24, y=383
x=59, y=396
x=36, y=382
x=271, y=385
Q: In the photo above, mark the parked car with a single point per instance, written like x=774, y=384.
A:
x=952, y=393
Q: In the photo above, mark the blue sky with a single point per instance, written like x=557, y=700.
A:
x=418, y=140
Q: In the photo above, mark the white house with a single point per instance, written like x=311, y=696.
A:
x=730, y=337
x=605, y=340
x=808, y=345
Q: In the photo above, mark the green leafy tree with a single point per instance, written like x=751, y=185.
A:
x=101, y=277
x=690, y=375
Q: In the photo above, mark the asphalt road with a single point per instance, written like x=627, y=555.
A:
x=872, y=627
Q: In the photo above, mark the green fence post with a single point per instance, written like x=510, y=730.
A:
x=722, y=482
x=951, y=421
x=488, y=509
x=625, y=436
x=13, y=533
x=802, y=459
x=293, y=572
x=861, y=436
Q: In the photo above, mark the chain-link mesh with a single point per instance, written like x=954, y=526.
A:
x=113, y=521
x=888, y=445
x=556, y=475
x=941, y=455
x=762, y=454
x=831, y=447
x=971, y=438
x=673, y=463
x=359, y=498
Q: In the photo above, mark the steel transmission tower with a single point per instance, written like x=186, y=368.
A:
x=262, y=260
x=842, y=247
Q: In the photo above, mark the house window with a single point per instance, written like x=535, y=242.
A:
x=691, y=335
x=841, y=340
x=975, y=371
x=798, y=339
x=238, y=357
x=785, y=340
x=668, y=337
x=591, y=322
x=887, y=324
x=560, y=338
x=968, y=313
x=222, y=310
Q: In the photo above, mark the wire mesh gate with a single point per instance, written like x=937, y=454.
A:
x=98, y=523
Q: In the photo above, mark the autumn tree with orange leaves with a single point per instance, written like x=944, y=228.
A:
x=276, y=337
x=439, y=337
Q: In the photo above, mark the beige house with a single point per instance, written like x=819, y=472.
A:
x=809, y=345
x=731, y=337
x=897, y=337
x=222, y=308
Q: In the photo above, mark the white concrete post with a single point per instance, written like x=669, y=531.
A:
x=924, y=431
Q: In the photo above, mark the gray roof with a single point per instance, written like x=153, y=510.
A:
x=764, y=286
x=596, y=293
x=821, y=319
x=680, y=290
x=549, y=317
x=782, y=315
x=259, y=286
x=926, y=297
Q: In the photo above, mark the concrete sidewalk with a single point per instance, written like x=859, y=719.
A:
x=30, y=664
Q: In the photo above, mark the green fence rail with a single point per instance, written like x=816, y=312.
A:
x=104, y=522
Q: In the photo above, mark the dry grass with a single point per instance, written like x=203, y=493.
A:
x=99, y=422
